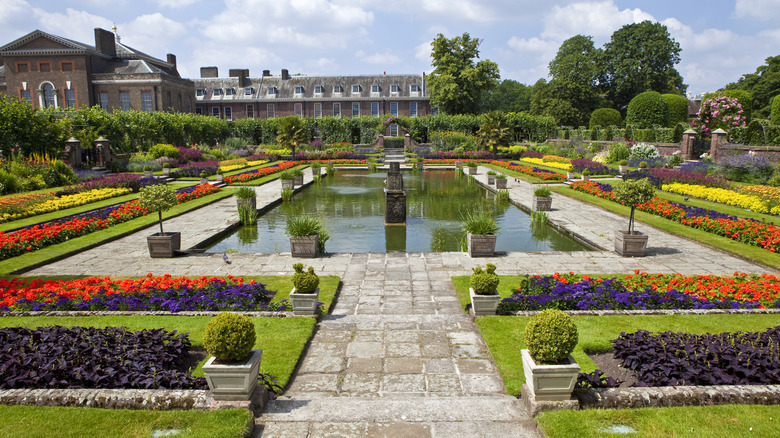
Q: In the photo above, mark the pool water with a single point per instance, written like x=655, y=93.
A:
x=352, y=206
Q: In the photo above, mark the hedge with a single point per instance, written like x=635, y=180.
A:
x=647, y=109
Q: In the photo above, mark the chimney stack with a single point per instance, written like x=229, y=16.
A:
x=105, y=42
x=172, y=60
x=209, y=72
x=241, y=74
x=285, y=74
x=266, y=73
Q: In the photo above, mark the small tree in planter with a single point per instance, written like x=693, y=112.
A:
x=500, y=181
x=246, y=196
x=550, y=371
x=220, y=176
x=631, y=193
x=232, y=371
x=483, y=293
x=586, y=175
x=159, y=198
x=542, y=200
x=148, y=171
x=315, y=166
x=204, y=177
x=491, y=174
x=307, y=236
x=166, y=167
x=305, y=294
x=481, y=231
x=623, y=166
x=472, y=165
x=298, y=174
x=286, y=177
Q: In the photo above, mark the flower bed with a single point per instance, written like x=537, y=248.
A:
x=39, y=236
x=765, y=236
x=129, y=180
x=149, y=293
x=241, y=163
x=542, y=162
x=88, y=357
x=663, y=175
x=16, y=204
x=723, y=196
x=195, y=168
x=65, y=202
x=259, y=173
x=544, y=174
x=768, y=193
x=594, y=167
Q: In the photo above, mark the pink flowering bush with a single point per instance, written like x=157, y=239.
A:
x=721, y=112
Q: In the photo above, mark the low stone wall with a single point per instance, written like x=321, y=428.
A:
x=621, y=398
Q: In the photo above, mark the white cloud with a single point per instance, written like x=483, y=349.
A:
x=532, y=44
x=174, y=4
x=73, y=24
x=469, y=10
x=381, y=58
x=764, y=10
x=324, y=65
x=709, y=39
x=597, y=19
x=423, y=51
x=152, y=32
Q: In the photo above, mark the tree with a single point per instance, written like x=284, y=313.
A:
x=493, y=131
x=509, y=96
x=457, y=83
x=640, y=57
x=574, y=72
x=544, y=102
x=291, y=133
x=763, y=85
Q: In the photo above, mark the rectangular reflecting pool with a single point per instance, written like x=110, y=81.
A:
x=351, y=204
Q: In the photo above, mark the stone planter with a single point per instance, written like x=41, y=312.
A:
x=550, y=382
x=491, y=179
x=305, y=246
x=586, y=177
x=542, y=203
x=458, y=164
x=220, y=177
x=484, y=304
x=304, y=304
x=315, y=171
x=623, y=169
x=298, y=181
x=421, y=165
x=233, y=381
x=166, y=171
x=252, y=202
x=204, y=180
x=472, y=170
x=163, y=245
x=287, y=184
x=482, y=245
x=148, y=173
x=500, y=183
x=630, y=245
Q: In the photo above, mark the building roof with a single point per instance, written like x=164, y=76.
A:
x=131, y=66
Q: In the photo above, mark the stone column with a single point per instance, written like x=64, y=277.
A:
x=380, y=141
x=407, y=141
x=718, y=139
x=686, y=146
x=103, y=152
x=72, y=153
x=395, y=197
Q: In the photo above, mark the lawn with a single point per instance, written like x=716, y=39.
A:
x=66, y=422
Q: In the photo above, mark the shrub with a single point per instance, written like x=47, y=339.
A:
x=229, y=337
x=287, y=194
x=551, y=336
x=633, y=192
x=166, y=165
x=147, y=168
x=542, y=192
x=643, y=151
x=302, y=225
x=605, y=117
x=721, y=112
x=750, y=167
x=305, y=282
x=623, y=163
x=744, y=98
x=159, y=198
x=647, y=109
x=675, y=160
x=618, y=151
x=484, y=282
x=479, y=223
x=163, y=150
x=774, y=115
x=678, y=109
x=286, y=175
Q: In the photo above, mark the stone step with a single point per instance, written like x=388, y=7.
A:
x=450, y=429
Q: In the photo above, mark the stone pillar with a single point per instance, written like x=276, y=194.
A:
x=380, y=141
x=718, y=139
x=395, y=197
x=72, y=153
x=686, y=146
x=103, y=152
x=407, y=141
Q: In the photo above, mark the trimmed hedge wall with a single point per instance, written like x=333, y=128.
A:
x=647, y=109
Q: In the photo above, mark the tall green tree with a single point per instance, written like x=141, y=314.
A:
x=458, y=82
x=546, y=102
x=493, y=131
x=574, y=74
x=640, y=57
x=509, y=96
x=763, y=85
x=292, y=133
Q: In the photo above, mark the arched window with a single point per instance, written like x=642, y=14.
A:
x=48, y=95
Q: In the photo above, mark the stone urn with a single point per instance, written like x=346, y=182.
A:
x=251, y=202
x=233, y=381
x=164, y=245
x=542, y=203
x=305, y=246
x=304, y=304
x=630, y=245
x=484, y=304
x=481, y=245
x=550, y=382
x=623, y=169
x=148, y=173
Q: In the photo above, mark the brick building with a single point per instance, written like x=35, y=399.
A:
x=48, y=70
x=239, y=96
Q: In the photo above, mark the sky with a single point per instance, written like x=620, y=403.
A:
x=720, y=40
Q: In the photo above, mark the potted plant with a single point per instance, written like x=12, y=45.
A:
x=232, y=370
x=330, y=169
x=483, y=293
x=306, y=236
x=148, y=171
x=643, y=165
x=166, y=167
x=481, y=231
x=159, y=198
x=500, y=181
x=569, y=175
x=420, y=163
x=623, y=166
x=586, y=175
x=315, y=168
x=298, y=173
x=491, y=174
x=542, y=198
x=305, y=294
x=204, y=177
x=632, y=192
x=458, y=164
x=550, y=371
x=246, y=196
x=472, y=165
x=220, y=176
x=286, y=177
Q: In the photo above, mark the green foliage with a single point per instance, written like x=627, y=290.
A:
x=166, y=165
x=763, y=85
x=574, y=72
x=542, y=191
x=247, y=215
x=286, y=175
x=303, y=225
x=292, y=132
x=775, y=113
x=287, y=194
x=678, y=109
x=633, y=192
x=159, y=198
x=163, y=150
x=484, y=282
x=479, y=223
x=229, y=337
x=502, y=195
x=147, y=168
x=246, y=193
x=508, y=96
x=551, y=336
x=500, y=176
x=605, y=117
x=305, y=282
x=493, y=131
x=457, y=82
x=647, y=109
x=545, y=101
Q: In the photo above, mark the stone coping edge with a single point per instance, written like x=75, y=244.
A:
x=668, y=396
x=653, y=312
x=151, y=313
x=146, y=399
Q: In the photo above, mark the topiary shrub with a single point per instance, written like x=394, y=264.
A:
x=164, y=150
x=678, y=109
x=774, y=115
x=605, y=117
x=551, y=336
x=647, y=109
x=484, y=282
x=305, y=282
x=229, y=337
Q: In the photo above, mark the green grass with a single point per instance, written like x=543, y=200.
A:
x=507, y=285
x=281, y=339
x=64, y=422
x=64, y=249
x=504, y=335
x=749, y=252
x=329, y=285
x=701, y=421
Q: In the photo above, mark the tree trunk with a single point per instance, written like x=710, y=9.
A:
x=159, y=215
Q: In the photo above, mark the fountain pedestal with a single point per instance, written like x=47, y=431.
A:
x=395, y=197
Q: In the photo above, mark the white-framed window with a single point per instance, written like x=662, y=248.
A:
x=319, y=89
x=70, y=98
x=103, y=99
x=250, y=111
x=230, y=91
x=124, y=100
x=198, y=110
x=248, y=91
x=273, y=90
x=317, y=110
x=393, y=130
x=338, y=89
x=412, y=109
x=356, y=88
x=355, y=109
x=375, y=88
x=49, y=97
x=336, y=109
x=414, y=88
x=270, y=111
x=27, y=96
x=395, y=88
x=215, y=111
x=228, y=113
x=146, y=101
x=217, y=92
x=298, y=109
x=200, y=92
x=375, y=109
x=394, y=108
x=299, y=89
